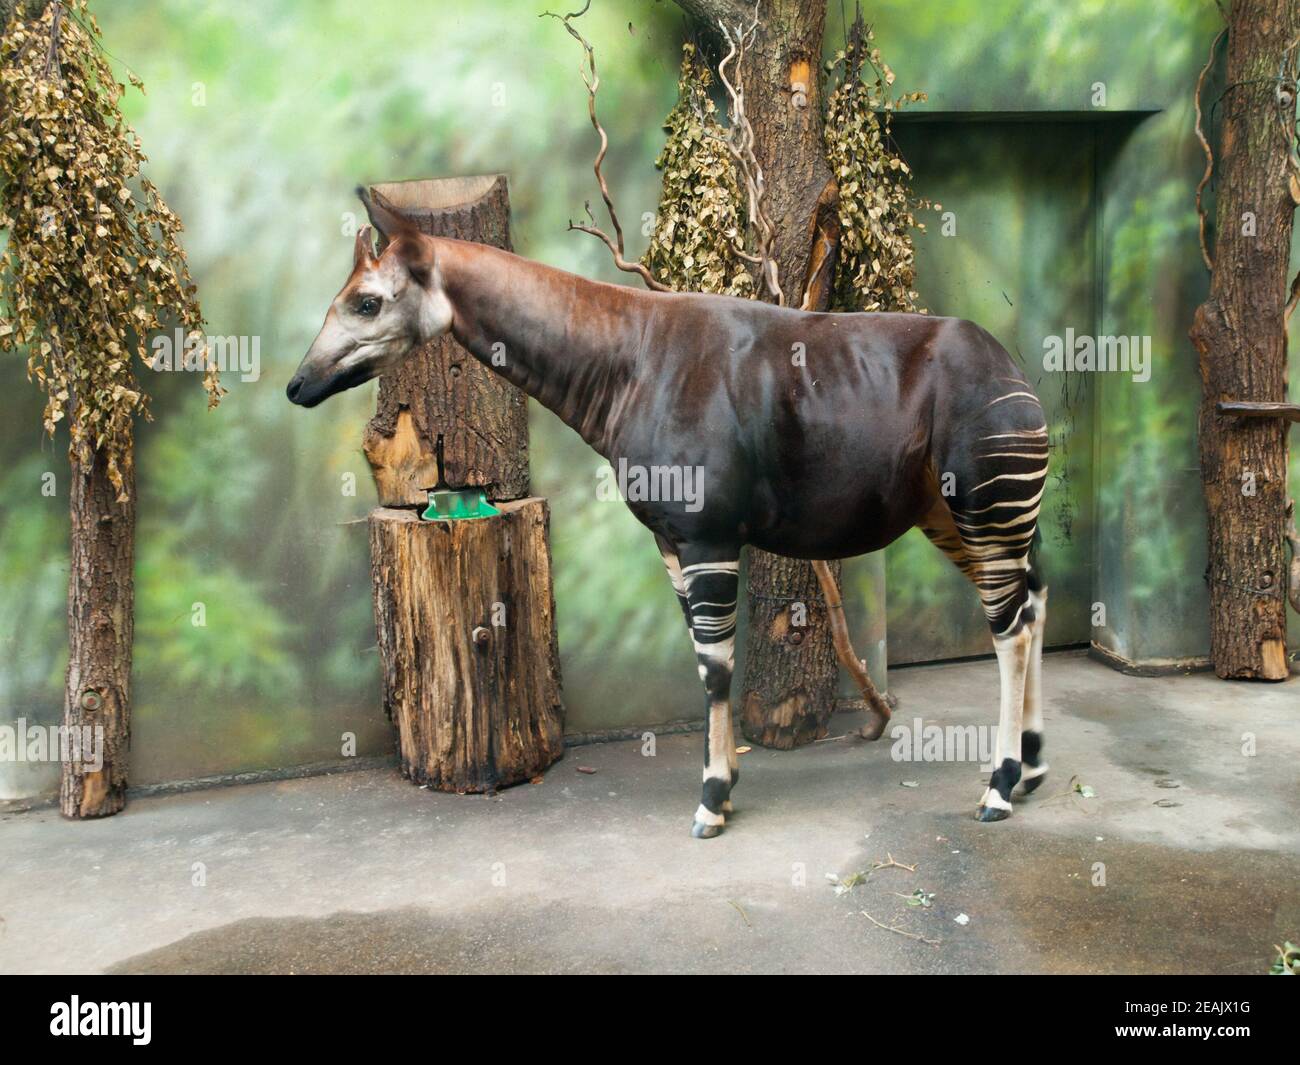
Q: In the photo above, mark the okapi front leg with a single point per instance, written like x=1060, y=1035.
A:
x=711, y=580
x=674, y=567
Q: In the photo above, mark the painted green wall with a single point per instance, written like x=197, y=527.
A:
x=244, y=510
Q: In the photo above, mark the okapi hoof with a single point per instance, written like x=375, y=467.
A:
x=991, y=813
x=1031, y=785
x=992, y=806
x=707, y=823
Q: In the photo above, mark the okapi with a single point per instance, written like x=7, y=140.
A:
x=886, y=422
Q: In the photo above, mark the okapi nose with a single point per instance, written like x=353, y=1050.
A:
x=293, y=388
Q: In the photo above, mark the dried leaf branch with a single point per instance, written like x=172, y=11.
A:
x=92, y=270
x=875, y=269
x=701, y=208
x=591, y=79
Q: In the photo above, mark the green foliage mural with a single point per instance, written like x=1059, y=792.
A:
x=255, y=645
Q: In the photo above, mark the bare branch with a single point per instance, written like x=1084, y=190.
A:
x=1205, y=145
x=592, y=80
x=1293, y=541
x=741, y=144
x=52, y=56
x=900, y=932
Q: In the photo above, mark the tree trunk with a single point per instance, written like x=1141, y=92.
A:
x=101, y=604
x=466, y=623
x=791, y=672
x=442, y=390
x=1240, y=334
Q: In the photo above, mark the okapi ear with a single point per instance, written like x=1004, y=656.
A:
x=417, y=253
x=390, y=224
x=363, y=251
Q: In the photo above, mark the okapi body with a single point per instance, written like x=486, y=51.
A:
x=816, y=436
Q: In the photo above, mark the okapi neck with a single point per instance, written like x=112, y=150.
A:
x=570, y=343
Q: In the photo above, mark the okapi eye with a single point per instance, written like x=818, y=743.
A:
x=369, y=307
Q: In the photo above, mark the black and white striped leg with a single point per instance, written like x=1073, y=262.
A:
x=710, y=579
x=1013, y=663
x=1034, y=766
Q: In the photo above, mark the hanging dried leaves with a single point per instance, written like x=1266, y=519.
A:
x=93, y=265
x=877, y=265
x=701, y=219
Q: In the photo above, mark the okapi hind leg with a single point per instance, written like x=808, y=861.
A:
x=990, y=544
x=1013, y=652
x=710, y=578
x=1034, y=768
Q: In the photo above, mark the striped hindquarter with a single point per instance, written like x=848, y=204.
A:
x=987, y=526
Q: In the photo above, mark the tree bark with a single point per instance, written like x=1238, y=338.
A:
x=466, y=624
x=789, y=686
x=1240, y=335
x=442, y=390
x=101, y=605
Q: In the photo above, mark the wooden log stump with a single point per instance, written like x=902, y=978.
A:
x=466, y=622
x=442, y=390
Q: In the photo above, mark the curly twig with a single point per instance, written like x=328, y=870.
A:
x=1205, y=145
x=1293, y=541
x=592, y=80
x=741, y=145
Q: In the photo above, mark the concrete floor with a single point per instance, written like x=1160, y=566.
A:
x=361, y=872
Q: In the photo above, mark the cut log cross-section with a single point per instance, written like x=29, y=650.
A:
x=466, y=624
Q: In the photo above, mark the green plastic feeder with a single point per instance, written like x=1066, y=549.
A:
x=458, y=504
x=455, y=504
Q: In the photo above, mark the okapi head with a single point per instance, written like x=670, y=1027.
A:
x=390, y=305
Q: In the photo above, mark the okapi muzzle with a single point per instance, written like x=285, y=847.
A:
x=387, y=308
x=884, y=422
